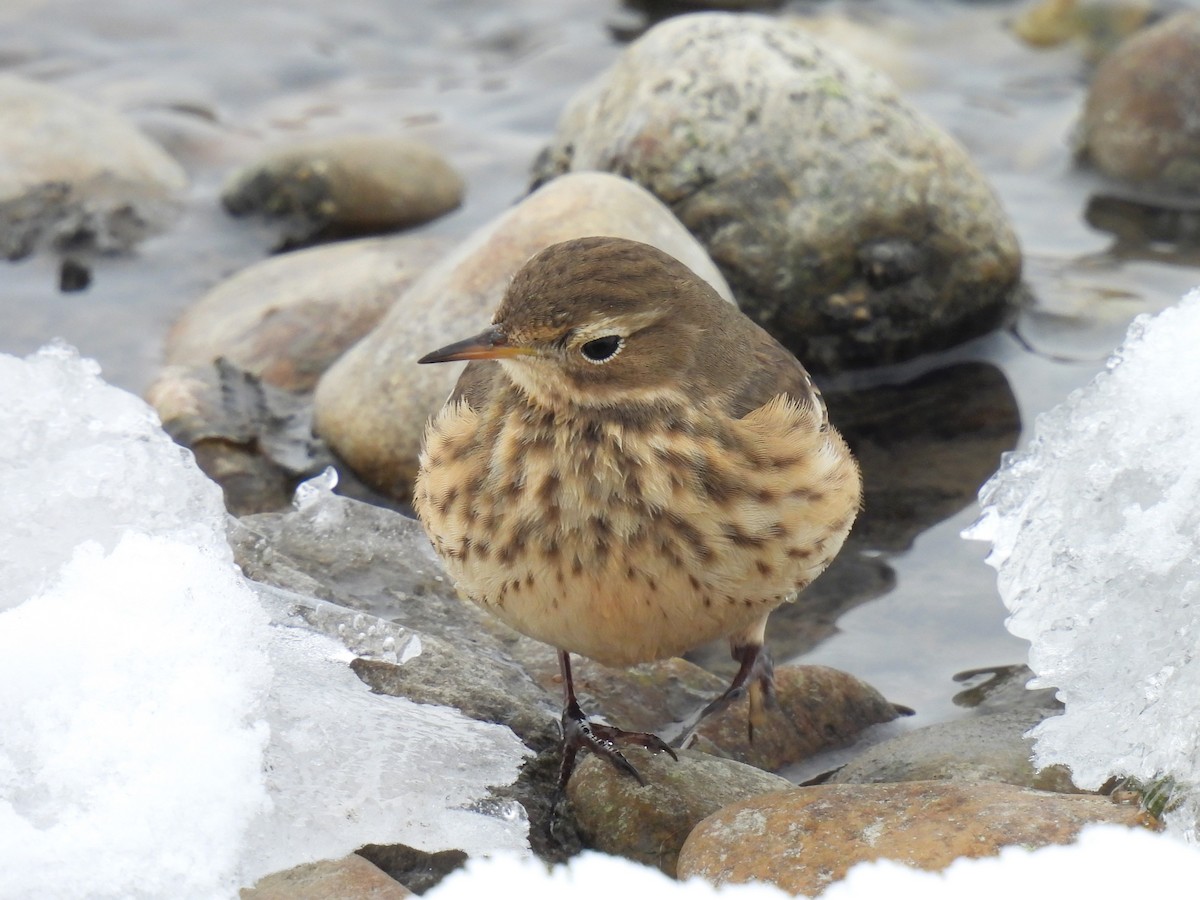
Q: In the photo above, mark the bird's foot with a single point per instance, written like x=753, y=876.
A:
x=580, y=733
x=756, y=677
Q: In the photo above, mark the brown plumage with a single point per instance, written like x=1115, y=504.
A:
x=636, y=469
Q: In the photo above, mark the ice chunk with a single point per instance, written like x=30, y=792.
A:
x=166, y=730
x=1095, y=529
x=81, y=460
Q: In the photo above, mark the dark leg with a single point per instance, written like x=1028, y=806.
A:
x=756, y=676
x=579, y=733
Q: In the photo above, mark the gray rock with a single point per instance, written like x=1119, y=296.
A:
x=850, y=226
x=1139, y=122
x=980, y=748
x=77, y=176
x=373, y=403
x=353, y=184
x=379, y=562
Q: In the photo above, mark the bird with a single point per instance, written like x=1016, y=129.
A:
x=630, y=467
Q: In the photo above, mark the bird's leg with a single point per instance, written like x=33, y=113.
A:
x=580, y=733
x=755, y=676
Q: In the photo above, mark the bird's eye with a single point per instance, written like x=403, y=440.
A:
x=603, y=349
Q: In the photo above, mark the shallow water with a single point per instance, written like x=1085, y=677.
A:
x=483, y=81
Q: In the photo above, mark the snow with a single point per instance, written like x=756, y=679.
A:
x=1095, y=531
x=170, y=729
x=1106, y=861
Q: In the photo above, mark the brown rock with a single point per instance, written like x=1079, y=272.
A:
x=650, y=823
x=805, y=839
x=349, y=878
x=287, y=318
x=819, y=709
x=1140, y=122
x=373, y=403
x=345, y=185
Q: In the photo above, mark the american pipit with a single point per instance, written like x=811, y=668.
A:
x=637, y=469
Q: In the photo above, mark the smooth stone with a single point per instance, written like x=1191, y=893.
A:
x=352, y=184
x=1099, y=25
x=1004, y=689
x=348, y=878
x=819, y=709
x=650, y=823
x=805, y=839
x=849, y=225
x=1139, y=122
x=372, y=405
x=980, y=748
x=77, y=176
x=287, y=318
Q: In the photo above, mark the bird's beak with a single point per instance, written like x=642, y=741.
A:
x=489, y=344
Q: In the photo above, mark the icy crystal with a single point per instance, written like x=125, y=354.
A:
x=1095, y=529
x=169, y=729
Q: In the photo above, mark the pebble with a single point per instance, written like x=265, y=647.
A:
x=352, y=184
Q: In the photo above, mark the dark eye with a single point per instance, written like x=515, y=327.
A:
x=602, y=348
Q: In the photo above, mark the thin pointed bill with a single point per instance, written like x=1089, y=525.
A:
x=489, y=344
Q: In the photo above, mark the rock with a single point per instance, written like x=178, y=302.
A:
x=1139, y=122
x=649, y=824
x=254, y=440
x=353, y=184
x=379, y=562
x=805, y=839
x=1004, y=689
x=980, y=748
x=348, y=878
x=77, y=177
x=287, y=318
x=418, y=870
x=819, y=709
x=241, y=360
x=373, y=403
x=849, y=226
x=1099, y=25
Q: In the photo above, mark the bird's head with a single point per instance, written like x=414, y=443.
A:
x=598, y=321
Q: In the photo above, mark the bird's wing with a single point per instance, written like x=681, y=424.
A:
x=775, y=371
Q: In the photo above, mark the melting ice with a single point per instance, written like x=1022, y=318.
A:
x=165, y=733
x=1095, y=528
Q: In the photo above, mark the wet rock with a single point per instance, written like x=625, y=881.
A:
x=805, y=839
x=416, y=869
x=1098, y=25
x=650, y=823
x=254, y=440
x=242, y=360
x=980, y=748
x=373, y=403
x=848, y=225
x=819, y=709
x=925, y=446
x=76, y=177
x=354, y=184
x=1139, y=122
x=349, y=878
x=287, y=318
x=1004, y=689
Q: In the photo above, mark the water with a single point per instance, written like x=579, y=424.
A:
x=483, y=80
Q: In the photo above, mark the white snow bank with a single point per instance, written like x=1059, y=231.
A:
x=1106, y=861
x=164, y=734
x=1095, y=528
